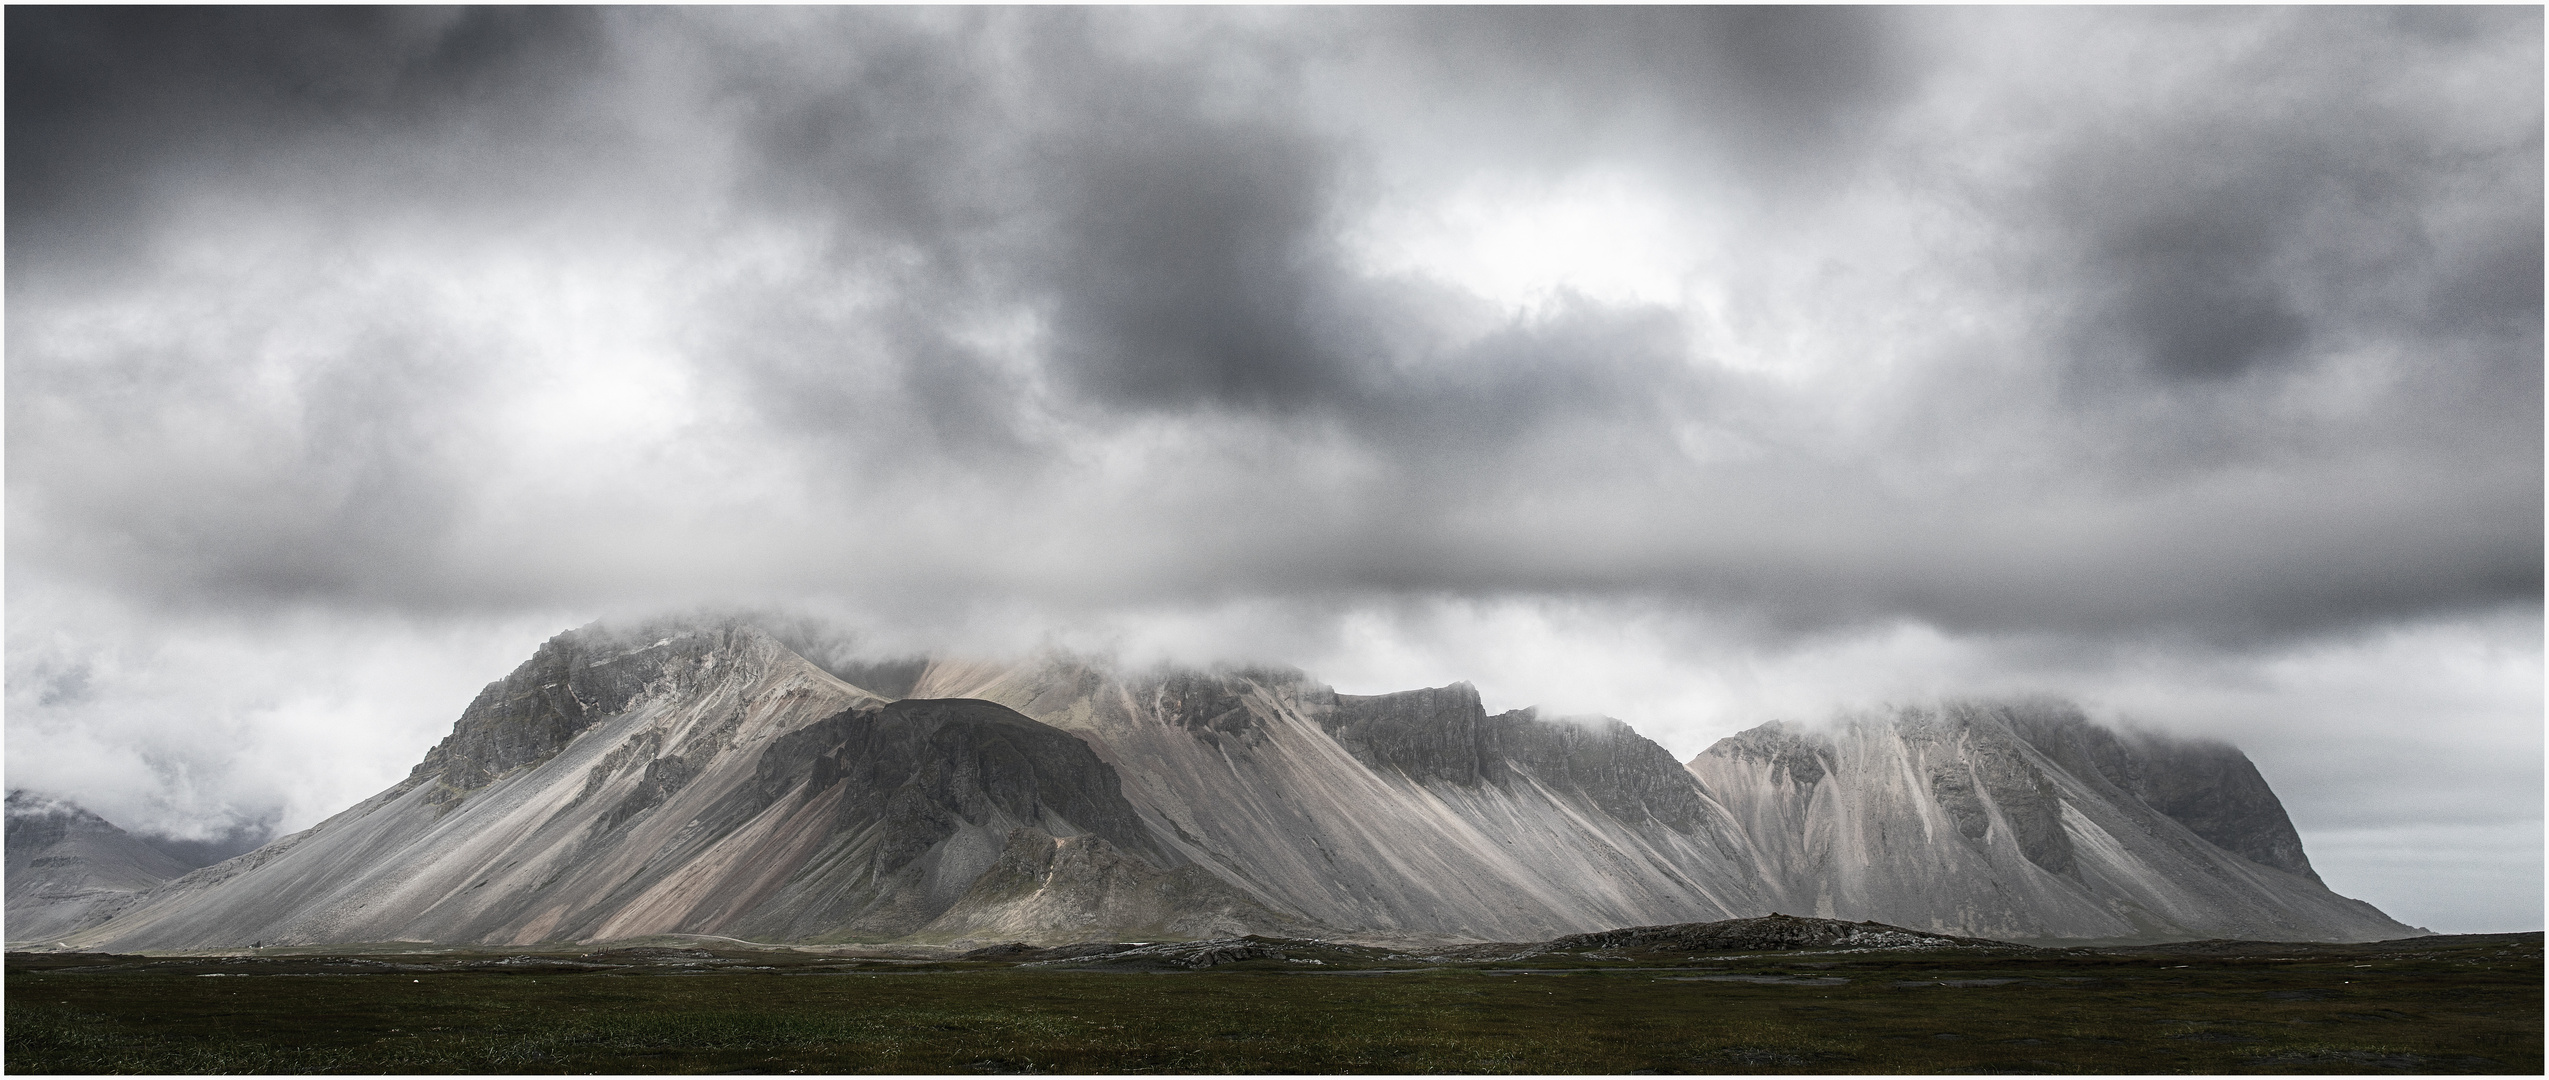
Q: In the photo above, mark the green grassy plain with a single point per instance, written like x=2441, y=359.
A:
x=2470, y=1004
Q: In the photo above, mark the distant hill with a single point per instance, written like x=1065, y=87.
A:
x=65, y=864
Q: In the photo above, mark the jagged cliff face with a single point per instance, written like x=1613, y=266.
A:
x=65, y=864
x=2025, y=821
x=571, y=683
x=703, y=778
x=2209, y=787
x=1414, y=812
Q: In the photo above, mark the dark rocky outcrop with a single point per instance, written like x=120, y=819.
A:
x=1982, y=766
x=1431, y=734
x=1021, y=952
x=1772, y=931
x=574, y=680
x=926, y=768
x=1444, y=734
x=1625, y=773
x=1214, y=706
x=1789, y=757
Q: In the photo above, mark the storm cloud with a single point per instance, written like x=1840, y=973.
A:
x=2113, y=353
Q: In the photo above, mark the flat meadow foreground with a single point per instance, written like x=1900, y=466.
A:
x=2456, y=1004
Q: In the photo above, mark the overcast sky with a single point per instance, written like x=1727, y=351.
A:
x=1700, y=367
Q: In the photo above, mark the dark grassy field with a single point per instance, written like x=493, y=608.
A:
x=2456, y=1004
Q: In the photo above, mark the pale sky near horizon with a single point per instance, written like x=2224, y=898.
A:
x=1696, y=366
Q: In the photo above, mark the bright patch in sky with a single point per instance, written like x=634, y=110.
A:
x=1604, y=235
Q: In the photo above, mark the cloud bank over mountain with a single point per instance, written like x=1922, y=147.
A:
x=1699, y=366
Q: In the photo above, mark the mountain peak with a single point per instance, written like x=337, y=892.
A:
x=589, y=674
x=2079, y=830
x=67, y=865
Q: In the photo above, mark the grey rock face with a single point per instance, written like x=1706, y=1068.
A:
x=575, y=680
x=2026, y=821
x=1787, y=758
x=1626, y=774
x=1215, y=709
x=1981, y=780
x=1433, y=734
x=932, y=767
x=1412, y=812
x=1444, y=735
x=920, y=819
x=2207, y=786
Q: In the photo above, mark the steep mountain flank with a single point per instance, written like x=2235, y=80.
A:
x=2207, y=786
x=1443, y=735
x=705, y=779
x=937, y=819
x=2025, y=821
x=1413, y=812
x=65, y=864
x=554, y=793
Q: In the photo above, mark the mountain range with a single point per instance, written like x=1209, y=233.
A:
x=703, y=777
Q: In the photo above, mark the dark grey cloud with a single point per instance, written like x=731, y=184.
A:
x=2222, y=240
x=2222, y=324
x=111, y=109
x=876, y=131
x=1188, y=268
x=1177, y=257
x=2197, y=298
x=1775, y=95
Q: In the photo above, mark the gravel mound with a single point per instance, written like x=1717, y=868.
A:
x=1773, y=931
x=1021, y=952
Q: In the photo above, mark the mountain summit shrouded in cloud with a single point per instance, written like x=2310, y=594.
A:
x=1695, y=366
x=701, y=777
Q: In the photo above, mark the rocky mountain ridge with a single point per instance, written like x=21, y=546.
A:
x=2077, y=831
x=702, y=777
